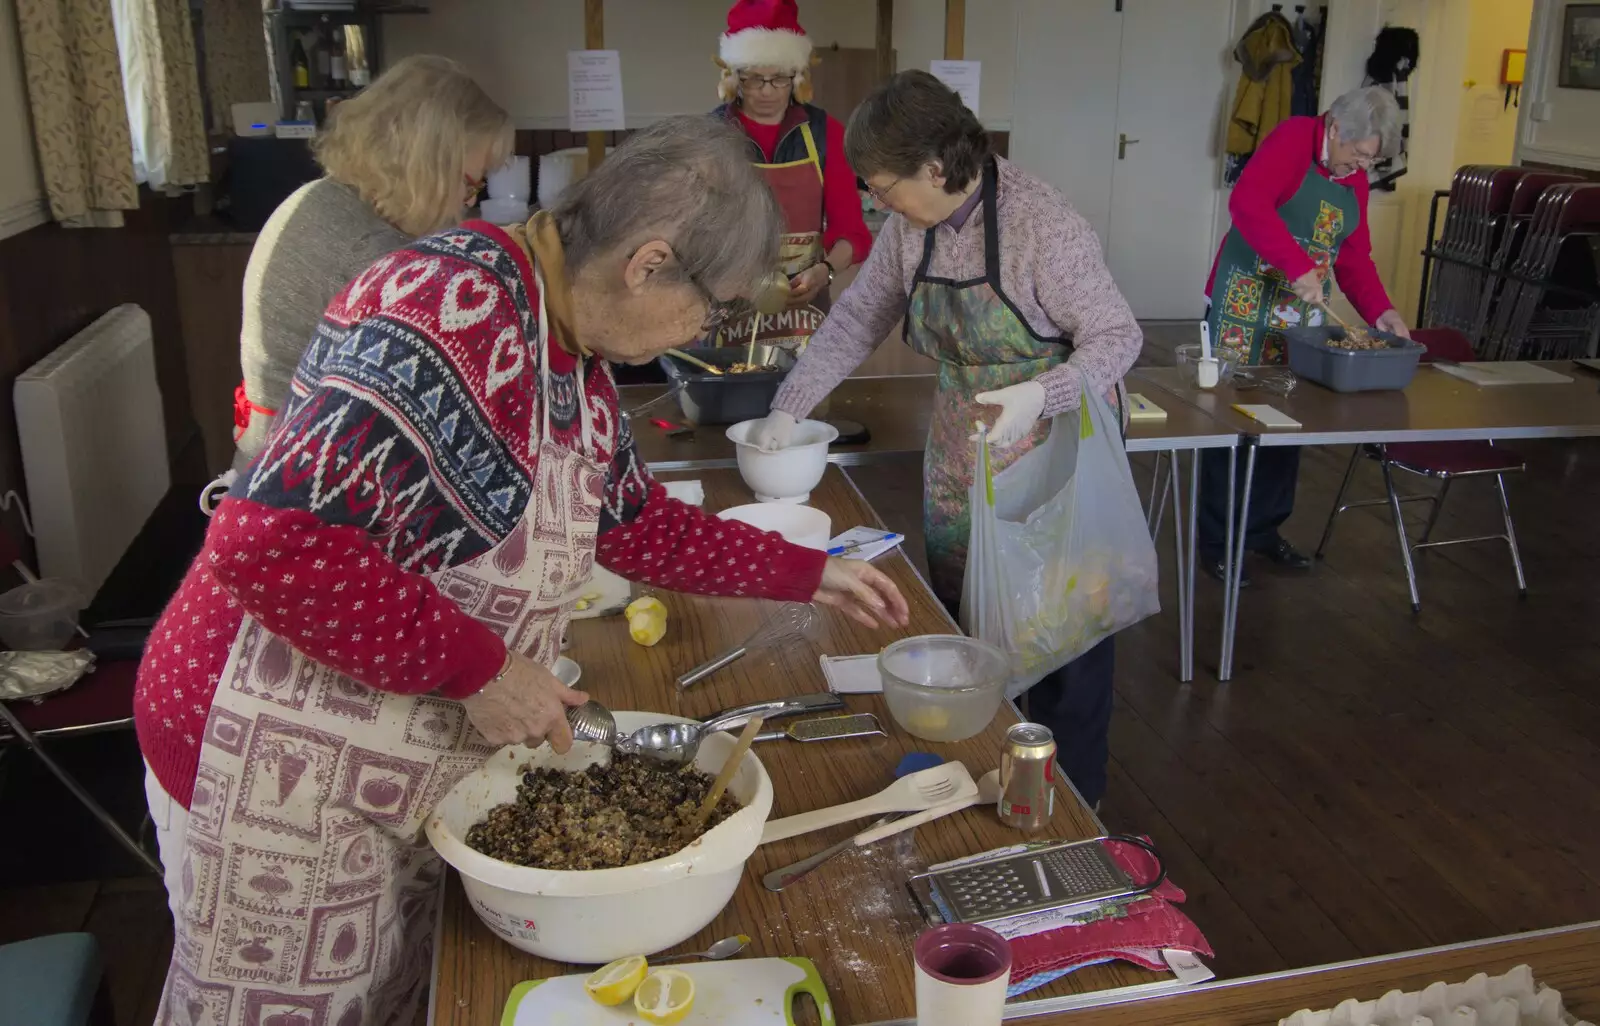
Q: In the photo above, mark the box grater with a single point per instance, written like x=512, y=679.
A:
x=1040, y=878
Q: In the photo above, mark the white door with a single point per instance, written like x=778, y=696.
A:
x=1064, y=117
x=1166, y=183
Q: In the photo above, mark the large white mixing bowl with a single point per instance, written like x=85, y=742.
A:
x=787, y=474
x=594, y=916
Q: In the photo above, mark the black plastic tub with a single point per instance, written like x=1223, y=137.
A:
x=725, y=398
x=1352, y=370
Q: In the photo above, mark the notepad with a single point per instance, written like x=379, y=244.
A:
x=1142, y=409
x=1266, y=416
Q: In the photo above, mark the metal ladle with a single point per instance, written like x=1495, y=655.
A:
x=676, y=744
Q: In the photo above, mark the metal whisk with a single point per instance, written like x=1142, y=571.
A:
x=792, y=621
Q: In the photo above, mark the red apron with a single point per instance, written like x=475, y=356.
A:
x=798, y=188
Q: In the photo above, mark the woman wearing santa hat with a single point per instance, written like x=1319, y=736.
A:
x=766, y=59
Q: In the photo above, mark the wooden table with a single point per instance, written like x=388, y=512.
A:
x=1435, y=407
x=1566, y=958
x=852, y=916
x=897, y=411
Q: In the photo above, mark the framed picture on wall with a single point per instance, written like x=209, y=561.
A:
x=1580, y=47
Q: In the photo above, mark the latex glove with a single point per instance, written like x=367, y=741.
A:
x=1391, y=321
x=774, y=432
x=1020, y=406
x=1308, y=287
x=863, y=592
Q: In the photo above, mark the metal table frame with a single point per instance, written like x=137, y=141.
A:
x=1256, y=438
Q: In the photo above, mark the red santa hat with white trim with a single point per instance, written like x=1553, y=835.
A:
x=764, y=34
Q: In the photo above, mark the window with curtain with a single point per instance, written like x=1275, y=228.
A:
x=161, y=88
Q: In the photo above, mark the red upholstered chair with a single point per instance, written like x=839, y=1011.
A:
x=102, y=700
x=1442, y=461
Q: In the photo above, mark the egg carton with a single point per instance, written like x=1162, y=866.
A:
x=1511, y=999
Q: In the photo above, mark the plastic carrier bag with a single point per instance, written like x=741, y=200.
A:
x=1060, y=555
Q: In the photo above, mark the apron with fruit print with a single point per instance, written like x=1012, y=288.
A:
x=981, y=343
x=308, y=887
x=797, y=186
x=1252, y=302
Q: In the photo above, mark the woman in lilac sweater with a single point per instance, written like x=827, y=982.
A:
x=1002, y=283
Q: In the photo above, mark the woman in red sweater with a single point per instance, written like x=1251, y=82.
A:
x=383, y=590
x=1299, y=211
x=765, y=58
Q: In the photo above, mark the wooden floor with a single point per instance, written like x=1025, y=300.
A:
x=1369, y=782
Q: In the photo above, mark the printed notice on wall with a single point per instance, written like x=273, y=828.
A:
x=594, y=91
x=963, y=77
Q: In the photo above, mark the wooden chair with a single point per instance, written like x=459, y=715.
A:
x=1441, y=461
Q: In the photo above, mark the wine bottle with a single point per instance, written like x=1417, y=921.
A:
x=302, y=67
x=324, y=58
x=341, y=78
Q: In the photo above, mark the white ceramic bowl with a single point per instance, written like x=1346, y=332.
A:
x=788, y=474
x=591, y=917
x=801, y=525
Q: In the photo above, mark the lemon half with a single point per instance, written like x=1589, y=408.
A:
x=616, y=982
x=665, y=996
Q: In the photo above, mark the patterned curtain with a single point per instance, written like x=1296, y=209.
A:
x=236, y=58
x=164, y=106
x=80, y=119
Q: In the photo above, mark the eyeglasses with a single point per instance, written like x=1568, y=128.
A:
x=779, y=82
x=882, y=195
x=718, y=311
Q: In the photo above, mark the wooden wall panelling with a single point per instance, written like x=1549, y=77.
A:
x=210, y=283
x=55, y=281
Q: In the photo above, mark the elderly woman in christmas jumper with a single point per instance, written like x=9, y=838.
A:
x=1002, y=283
x=382, y=592
x=1299, y=212
x=765, y=87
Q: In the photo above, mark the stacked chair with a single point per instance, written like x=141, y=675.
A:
x=1510, y=237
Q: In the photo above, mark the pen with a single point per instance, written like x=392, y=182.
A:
x=853, y=546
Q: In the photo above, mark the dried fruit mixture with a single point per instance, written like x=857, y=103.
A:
x=628, y=812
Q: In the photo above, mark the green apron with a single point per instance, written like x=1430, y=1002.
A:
x=981, y=344
x=1252, y=302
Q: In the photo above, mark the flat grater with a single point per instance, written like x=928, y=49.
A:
x=828, y=728
x=1039, y=878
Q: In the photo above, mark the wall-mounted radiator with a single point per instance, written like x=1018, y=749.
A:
x=94, y=446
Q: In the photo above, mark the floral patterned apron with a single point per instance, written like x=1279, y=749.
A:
x=981, y=343
x=797, y=185
x=1253, y=301
x=308, y=887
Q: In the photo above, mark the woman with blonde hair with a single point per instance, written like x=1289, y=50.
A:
x=405, y=157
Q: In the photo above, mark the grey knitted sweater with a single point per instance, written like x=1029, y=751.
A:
x=317, y=240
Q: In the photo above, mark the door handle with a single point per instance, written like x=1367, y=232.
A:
x=1122, y=146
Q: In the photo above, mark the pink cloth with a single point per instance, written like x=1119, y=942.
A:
x=1149, y=925
x=1051, y=268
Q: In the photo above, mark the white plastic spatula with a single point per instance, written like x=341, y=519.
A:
x=1207, y=374
x=946, y=782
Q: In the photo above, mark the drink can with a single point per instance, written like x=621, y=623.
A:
x=1028, y=777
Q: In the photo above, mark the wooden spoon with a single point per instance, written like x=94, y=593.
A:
x=729, y=768
x=1336, y=318
x=686, y=358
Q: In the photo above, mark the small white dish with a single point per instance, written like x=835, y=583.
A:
x=801, y=525
x=567, y=671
